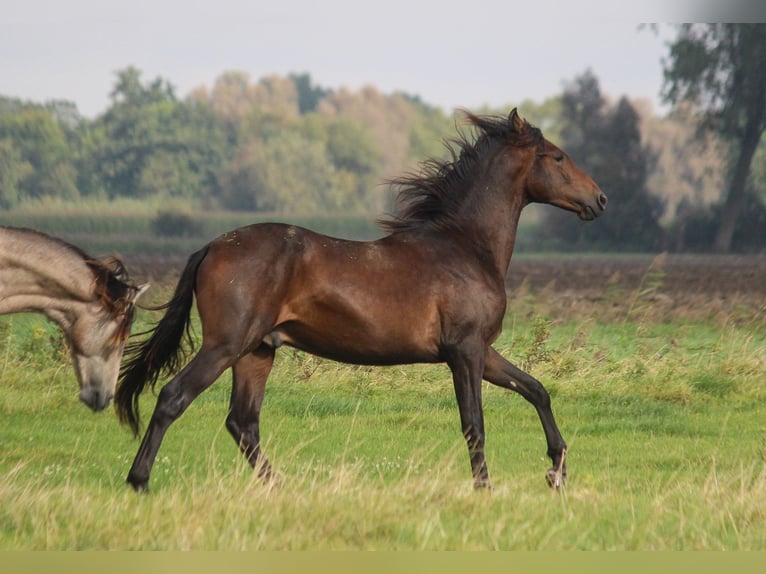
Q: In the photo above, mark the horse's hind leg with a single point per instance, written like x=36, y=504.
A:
x=250, y=373
x=500, y=372
x=172, y=401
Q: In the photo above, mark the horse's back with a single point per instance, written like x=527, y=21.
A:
x=289, y=253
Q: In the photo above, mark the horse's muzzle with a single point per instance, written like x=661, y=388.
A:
x=96, y=400
x=591, y=210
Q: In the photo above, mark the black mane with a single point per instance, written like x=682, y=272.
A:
x=431, y=196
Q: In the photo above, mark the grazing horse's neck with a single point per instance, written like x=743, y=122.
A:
x=60, y=291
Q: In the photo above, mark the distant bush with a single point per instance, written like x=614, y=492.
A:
x=171, y=224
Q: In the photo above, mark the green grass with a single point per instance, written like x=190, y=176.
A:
x=664, y=422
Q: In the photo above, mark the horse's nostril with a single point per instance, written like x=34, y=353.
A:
x=95, y=400
x=602, y=200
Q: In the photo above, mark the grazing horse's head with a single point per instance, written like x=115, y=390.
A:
x=98, y=335
x=555, y=179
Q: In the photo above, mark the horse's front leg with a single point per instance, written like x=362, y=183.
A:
x=500, y=372
x=466, y=367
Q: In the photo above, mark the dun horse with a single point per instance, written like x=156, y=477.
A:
x=92, y=301
x=432, y=290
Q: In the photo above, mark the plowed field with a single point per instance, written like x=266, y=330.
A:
x=691, y=283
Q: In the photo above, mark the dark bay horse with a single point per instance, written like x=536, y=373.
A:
x=92, y=301
x=432, y=290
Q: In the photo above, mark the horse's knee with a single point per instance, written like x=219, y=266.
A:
x=542, y=397
x=244, y=432
x=171, y=403
x=239, y=428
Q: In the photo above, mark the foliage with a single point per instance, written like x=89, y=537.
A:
x=286, y=146
x=537, y=351
x=13, y=171
x=289, y=174
x=694, y=230
x=689, y=167
x=309, y=95
x=35, y=157
x=172, y=224
x=134, y=232
x=151, y=144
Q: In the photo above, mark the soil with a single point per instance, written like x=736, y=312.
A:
x=662, y=288
x=681, y=274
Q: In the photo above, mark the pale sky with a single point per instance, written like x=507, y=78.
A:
x=450, y=53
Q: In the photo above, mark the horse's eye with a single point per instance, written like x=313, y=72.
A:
x=558, y=158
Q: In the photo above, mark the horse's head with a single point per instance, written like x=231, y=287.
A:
x=98, y=335
x=554, y=178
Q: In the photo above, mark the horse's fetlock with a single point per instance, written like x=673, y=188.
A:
x=140, y=485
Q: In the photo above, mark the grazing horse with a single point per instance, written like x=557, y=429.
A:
x=91, y=301
x=432, y=290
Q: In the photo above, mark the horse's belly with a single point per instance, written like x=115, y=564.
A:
x=349, y=344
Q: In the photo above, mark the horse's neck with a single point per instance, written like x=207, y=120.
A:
x=500, y=235
x=39, y=282
x=494, y=220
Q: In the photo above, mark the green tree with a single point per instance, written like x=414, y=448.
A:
x=356, y=160
x=13, y=170
x=689, y=169
x=430, y=129
x=131, y=92
x=151, y=144
x=42, y=144
x=721, y=68
x=86, y=146
x=287, y=173
x=758, y=173
x=388, y=120
x=309, y=95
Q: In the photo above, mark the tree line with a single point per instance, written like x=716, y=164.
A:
x=683, y=182
x=275, y=145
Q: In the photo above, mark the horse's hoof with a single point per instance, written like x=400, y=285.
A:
x=556, y=476
x=140, y=486
x=555, y=479
x=482, y=484
x=264, y=473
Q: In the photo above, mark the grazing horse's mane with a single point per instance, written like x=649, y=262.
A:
x=430, y=197
x=114, y=292
x=112, y=286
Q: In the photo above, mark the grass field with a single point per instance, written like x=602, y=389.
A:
x=663, y=415
x=126, y=227
x=130, y=230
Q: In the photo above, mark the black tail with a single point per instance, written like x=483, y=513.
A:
x=163, y=352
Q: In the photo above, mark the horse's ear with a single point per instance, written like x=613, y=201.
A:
x=139, y=290
x=519, y=125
